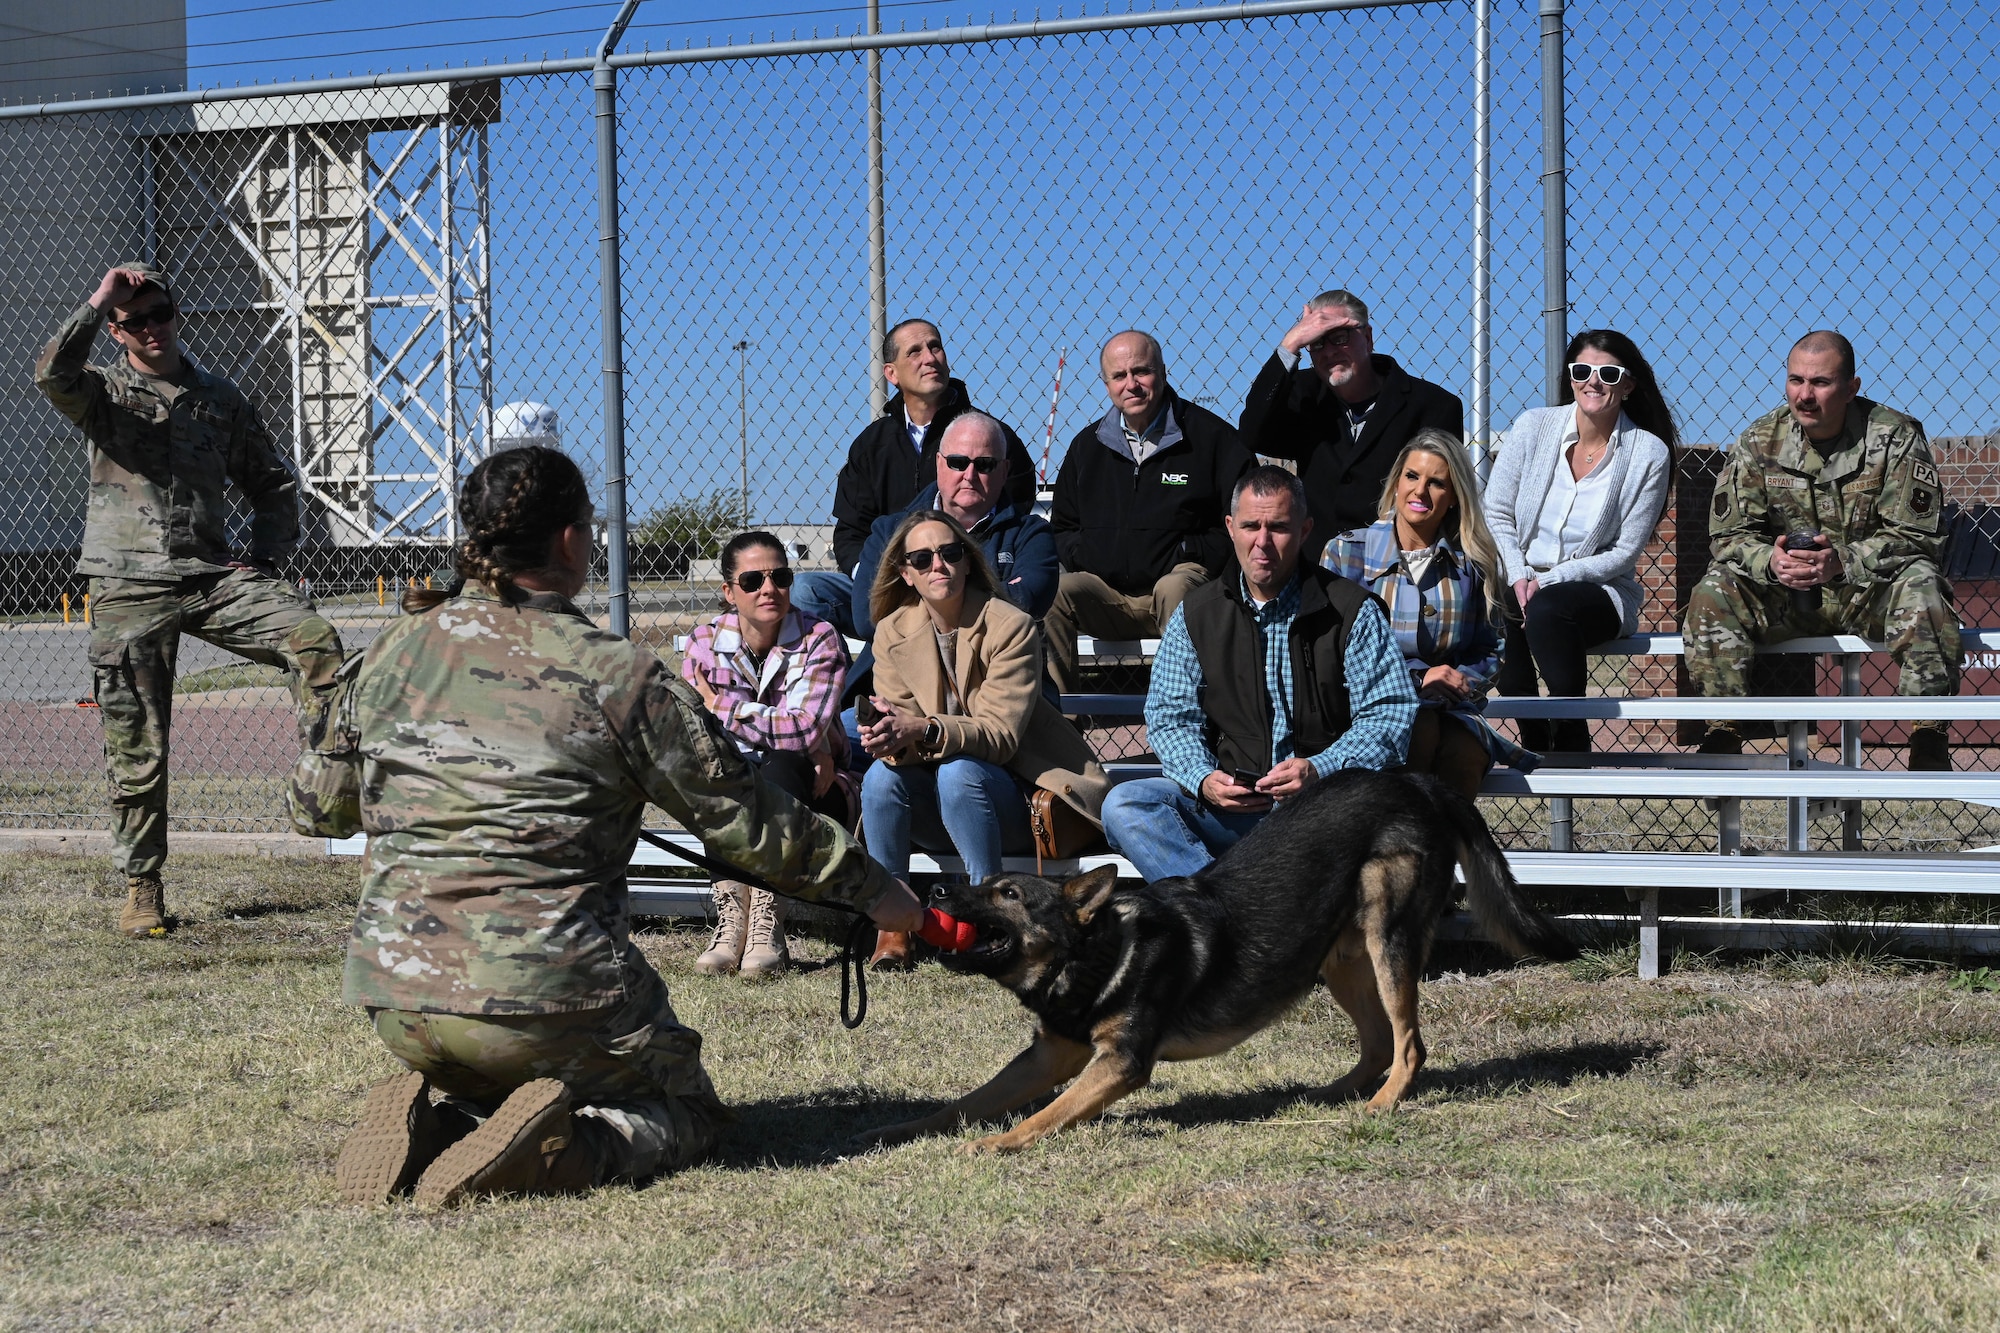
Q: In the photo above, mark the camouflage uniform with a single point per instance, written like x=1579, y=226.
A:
x=162, y=451
x=500, y=758
x=1873, y=492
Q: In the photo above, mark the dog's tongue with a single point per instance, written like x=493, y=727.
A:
x=947, y=932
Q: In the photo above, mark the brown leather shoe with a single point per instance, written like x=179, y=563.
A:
x=144, y=915
x=892, y=952
x=400, y=1134
x=528, y=1146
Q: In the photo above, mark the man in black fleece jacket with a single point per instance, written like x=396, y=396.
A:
x=1139, y=506
x=893, y=458
x=1345, y=419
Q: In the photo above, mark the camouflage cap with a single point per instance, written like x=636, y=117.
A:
x=153, y=275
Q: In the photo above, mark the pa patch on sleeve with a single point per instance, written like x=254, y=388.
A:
x=1924, y=474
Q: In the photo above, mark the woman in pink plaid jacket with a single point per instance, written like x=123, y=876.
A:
x=772, y=676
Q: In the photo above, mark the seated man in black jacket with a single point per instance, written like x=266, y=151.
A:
x=1139, y=506
x=1344, y=420
x=894, y=458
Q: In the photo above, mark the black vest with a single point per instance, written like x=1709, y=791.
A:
x=1223, y=629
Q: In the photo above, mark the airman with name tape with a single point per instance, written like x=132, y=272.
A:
x=1827, y=519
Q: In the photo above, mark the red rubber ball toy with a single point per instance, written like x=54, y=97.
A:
x=947, y=932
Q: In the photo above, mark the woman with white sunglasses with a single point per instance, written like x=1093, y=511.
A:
x=1575, y=495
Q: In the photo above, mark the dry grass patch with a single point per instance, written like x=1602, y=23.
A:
x=1789, y=1143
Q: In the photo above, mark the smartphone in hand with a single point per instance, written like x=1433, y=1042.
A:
x=865, y=711
x=1243, y=777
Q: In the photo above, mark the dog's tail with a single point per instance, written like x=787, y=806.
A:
x=1492, y=891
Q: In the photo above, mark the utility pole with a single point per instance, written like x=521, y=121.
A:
x=742, y=350
x=878, y=245
x=604, y=86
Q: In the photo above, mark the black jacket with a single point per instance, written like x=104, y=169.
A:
x=1131, y=524
x=1223, y=631
x=883, y=474
x=1293, y=414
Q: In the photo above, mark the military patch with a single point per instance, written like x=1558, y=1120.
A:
x=1921, y=500
x=1722, y=504
x=1923, y=473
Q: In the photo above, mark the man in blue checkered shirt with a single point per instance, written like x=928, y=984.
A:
x=1264, y=683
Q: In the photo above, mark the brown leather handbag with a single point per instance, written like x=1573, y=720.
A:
x=1061, y=832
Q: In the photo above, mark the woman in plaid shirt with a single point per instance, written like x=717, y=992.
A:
x=1431, y=559
x=772, y=676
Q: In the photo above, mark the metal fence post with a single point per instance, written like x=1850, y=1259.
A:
x=878, y=244
x=1482, y=239
x=1555, y=202
x=604, y=80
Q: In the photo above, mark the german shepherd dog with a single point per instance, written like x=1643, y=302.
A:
x=1344, y=884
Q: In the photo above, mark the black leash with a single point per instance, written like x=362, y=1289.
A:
x=853, y=954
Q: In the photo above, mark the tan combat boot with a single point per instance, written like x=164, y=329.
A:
x=725, y=952
x=145, y=913
x=528, y=1146
x=400, y=1134
x=766, y=952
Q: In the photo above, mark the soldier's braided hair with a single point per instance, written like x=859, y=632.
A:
x=510, y=509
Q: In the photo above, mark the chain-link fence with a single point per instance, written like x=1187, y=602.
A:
x=391, y=271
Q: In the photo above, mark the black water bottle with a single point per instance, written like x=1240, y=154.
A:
x=1805, y=601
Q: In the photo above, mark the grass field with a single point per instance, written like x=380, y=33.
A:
x=1791, y=1144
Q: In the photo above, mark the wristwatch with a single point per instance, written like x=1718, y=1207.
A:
x=933, y=734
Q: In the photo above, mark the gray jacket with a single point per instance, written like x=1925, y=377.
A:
x=1638, y=479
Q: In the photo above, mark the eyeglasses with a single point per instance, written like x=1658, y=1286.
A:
x=951, y=553
x=750, y=580
x=159, y=314
x=1333, y=339
x=960, y=462
x=1580, y=373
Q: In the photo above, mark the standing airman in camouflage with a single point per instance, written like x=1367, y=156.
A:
x=165, y=439
x=499, y=750
x=1861, y=477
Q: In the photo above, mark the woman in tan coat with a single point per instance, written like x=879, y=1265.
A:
x=965, y=733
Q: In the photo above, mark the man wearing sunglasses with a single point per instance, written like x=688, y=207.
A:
x=165, y=439
x=1139, y=506
x=971, y=486
x=894, y=458
x=1345, y=418
x=1827, y=519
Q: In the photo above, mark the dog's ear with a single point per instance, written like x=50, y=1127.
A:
x=1090, y=891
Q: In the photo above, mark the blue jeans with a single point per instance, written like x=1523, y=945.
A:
x=962, y=804
x=826, y=595
x=1164, y=832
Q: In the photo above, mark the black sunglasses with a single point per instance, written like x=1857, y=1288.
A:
x=159, y=314
x=950, y=553
x=750, y=580
x=960, y=462
x=1580, y=372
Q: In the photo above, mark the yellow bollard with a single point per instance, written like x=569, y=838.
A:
x=427, y=583
x=380, y=590
x=86, y=608
x=65, y=608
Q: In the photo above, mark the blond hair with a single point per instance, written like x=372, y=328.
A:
x=1466, y=523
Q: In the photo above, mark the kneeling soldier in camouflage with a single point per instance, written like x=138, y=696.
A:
x=165, y=439
x=499, y=750
x=1826, y=520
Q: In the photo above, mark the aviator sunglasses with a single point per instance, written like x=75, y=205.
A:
x=950, y=553
x=159, y=314
x=1580, y=373
x=960, y=462
x=750, y=580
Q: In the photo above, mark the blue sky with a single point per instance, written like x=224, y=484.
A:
x=1738, y=174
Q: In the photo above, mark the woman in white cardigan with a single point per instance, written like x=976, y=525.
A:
x=1575, y=495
